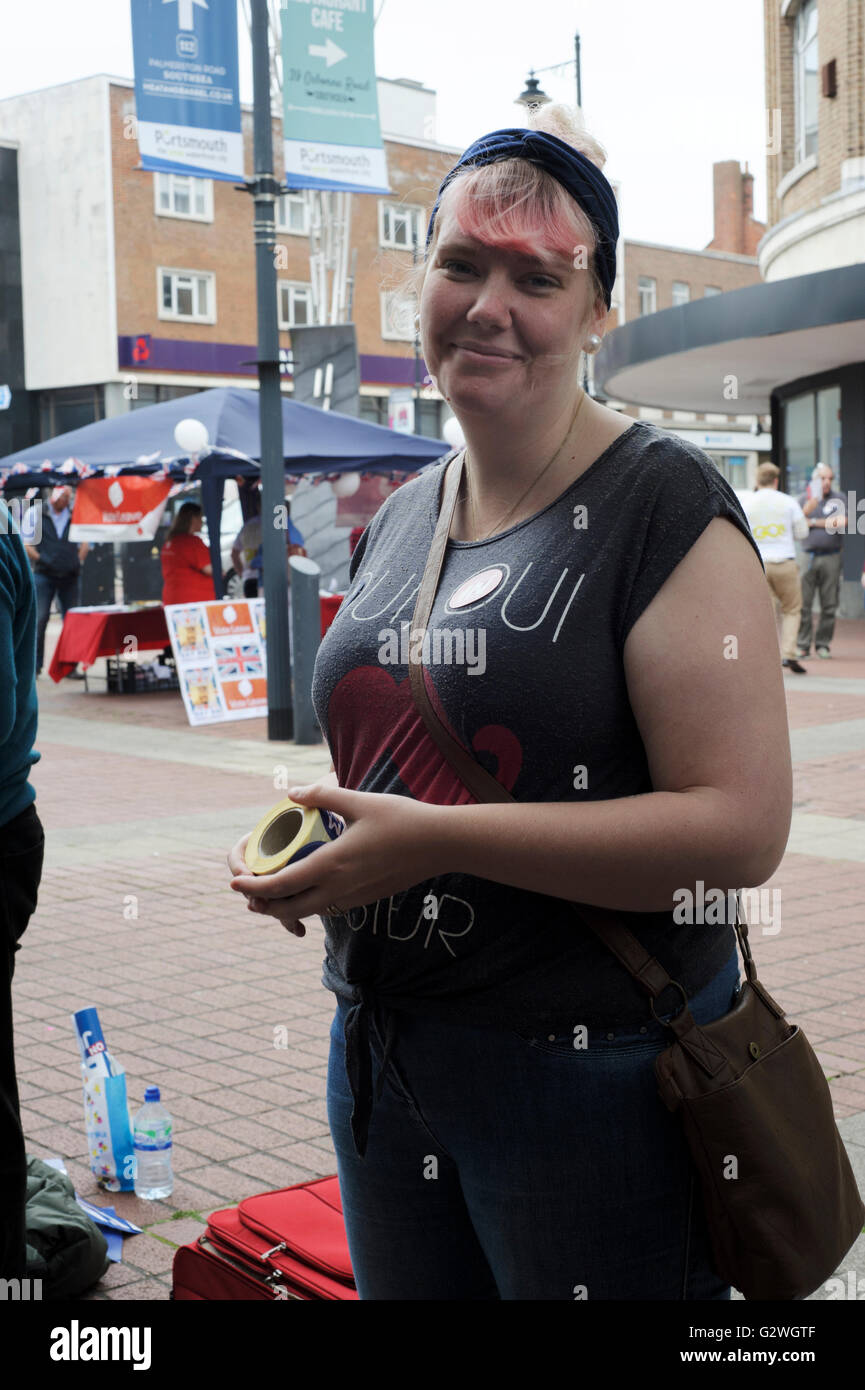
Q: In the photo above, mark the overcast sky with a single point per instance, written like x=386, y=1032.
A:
x=668, y=87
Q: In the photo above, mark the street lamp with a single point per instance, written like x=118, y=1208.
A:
x=534, y=96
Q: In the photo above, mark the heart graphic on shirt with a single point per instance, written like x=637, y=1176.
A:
x=371, y=716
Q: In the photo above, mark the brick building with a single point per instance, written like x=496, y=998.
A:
x=655, y=277
x=135, y=287
x=792, y=346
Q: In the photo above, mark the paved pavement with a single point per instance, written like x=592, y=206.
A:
x=225, y=1011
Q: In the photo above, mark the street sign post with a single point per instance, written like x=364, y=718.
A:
x=330, y=100
x=187, y=98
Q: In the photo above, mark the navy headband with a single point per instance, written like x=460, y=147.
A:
x=582, y=179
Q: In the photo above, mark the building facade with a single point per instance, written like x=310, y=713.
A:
x=793, y=344
x=137, y=287
x=656, y=277
x=815, y=97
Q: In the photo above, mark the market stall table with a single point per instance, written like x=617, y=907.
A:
x=89, y=633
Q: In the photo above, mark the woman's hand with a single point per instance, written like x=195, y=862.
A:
x=237, y=864
x=390, y=843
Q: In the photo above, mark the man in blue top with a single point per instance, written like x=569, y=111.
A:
x=246, y=553
x=21, y=848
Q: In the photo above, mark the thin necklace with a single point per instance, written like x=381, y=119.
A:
x=532, y=485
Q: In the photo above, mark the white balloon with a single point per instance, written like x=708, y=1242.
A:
x=453, y=432
x=191, y=436
x=346, y=485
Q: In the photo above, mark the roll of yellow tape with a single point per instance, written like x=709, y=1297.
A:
x=287, y=833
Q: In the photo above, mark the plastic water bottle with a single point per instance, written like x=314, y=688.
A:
x=151, y=1134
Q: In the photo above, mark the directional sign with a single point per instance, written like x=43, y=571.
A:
x=330, y=101
x=5, y=398
x=186, y=87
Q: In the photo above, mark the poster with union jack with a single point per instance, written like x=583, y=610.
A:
x=228, y=678
x=232, y=663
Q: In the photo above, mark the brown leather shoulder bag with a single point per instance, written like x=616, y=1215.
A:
x=780, y=1196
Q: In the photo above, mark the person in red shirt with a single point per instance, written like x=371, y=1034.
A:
x=187, y=573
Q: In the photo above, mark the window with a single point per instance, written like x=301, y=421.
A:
x=292, y=214
x=647, y=290
x=710, y=289
x=812, y=435
x=399, y=225
x=177, y=195
x=295, y=304
x=397, y=316
x=681, y=292
x=429, y=413
x=374, y=409
x=734, y=467
x=70, y=408
x=187, y=294
x=152, y=395
x=805, y=79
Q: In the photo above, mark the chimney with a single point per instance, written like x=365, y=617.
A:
x=729, y=207
x=747, y=196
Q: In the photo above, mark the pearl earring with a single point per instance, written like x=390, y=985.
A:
x=593, y=342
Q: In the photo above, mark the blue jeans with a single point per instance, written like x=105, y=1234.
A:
x=505, y=1166
x=67, y=597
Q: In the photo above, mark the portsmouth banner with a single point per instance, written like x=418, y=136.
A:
x=330, y=101
x=187, y=100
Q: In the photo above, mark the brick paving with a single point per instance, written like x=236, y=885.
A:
x=226, y=1012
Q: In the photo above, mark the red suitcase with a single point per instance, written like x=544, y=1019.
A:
x=275, y=1246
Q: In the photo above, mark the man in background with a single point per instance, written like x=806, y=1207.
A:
x=246, y=554
x=826, y=517
x=776, y=521
x=57, y=565
x=21, y=850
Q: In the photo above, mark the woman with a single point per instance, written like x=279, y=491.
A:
x=491, y=1092
x=186, y=568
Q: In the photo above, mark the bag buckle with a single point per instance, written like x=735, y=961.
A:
x=666, y=1023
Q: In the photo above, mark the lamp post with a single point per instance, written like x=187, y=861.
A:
x=265, y=190
x=533, y=95
x=414, y=260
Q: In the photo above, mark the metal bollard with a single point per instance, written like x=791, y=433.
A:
x=305, y=614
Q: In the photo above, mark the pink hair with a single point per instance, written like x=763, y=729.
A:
x=518, y=206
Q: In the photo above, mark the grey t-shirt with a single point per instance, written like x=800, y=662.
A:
x=525, y=664
x=818, y=539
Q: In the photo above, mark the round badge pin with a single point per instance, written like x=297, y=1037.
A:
x=476, y=588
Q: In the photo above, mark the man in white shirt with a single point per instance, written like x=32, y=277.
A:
x=776, y=520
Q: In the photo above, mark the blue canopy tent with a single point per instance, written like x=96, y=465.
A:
x=315, y=443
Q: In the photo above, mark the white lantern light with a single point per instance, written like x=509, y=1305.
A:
x=346, y=485
x=191, y=436
x=453, y=432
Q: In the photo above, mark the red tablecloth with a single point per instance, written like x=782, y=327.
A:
x=329, y=604
x=90, y=633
